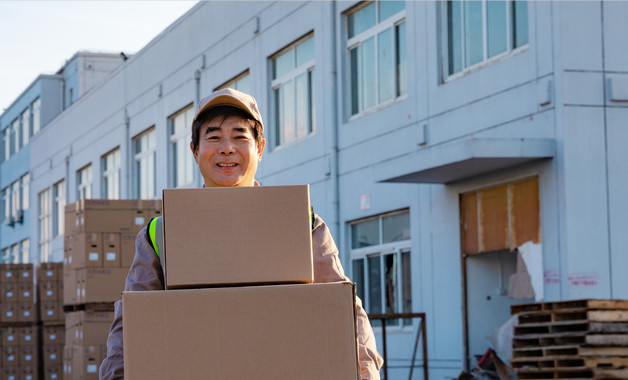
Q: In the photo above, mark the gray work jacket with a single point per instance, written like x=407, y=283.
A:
x=146, y=274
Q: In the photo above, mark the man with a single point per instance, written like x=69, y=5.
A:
x=227, y=143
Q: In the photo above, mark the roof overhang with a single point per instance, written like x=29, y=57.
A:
x=460, y=159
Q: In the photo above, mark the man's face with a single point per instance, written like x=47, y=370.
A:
x=227, y=154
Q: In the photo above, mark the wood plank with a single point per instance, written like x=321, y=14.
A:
x=607, y=340
x=469, y=223
x=493, y=216
x=608, y=327
x=524, y=212
x=608, y=315
x=590, y=304
x=600, y=351
x=610, y=373
x=606, y=362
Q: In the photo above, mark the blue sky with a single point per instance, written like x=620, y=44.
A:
x=39, y=36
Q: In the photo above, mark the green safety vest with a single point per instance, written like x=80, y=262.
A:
x=156, y=236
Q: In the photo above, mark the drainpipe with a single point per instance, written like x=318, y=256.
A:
x=197, y=79
x=335, y=126
x=129, y=154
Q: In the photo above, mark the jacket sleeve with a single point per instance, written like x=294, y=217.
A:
x=327, y=268
x=145, y=273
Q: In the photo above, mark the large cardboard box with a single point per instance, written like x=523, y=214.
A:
x=49, y=271
x=53, y=335
x=86, y=251
x=10, y=336
x=111, y=250
x=87, y=328
x=303, y=331
x=240, y=235
x=86, y=362
x=106, y=215
x=127, y=249
x=28, y=336
x=70, y=288
x=100, y=284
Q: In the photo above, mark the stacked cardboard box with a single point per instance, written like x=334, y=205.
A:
x=18, y=328
x=98, y=251
x=239, y=302
x=52, y=321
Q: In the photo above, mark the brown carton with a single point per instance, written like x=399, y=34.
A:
x=94, y=328
x=67, y=362
x=100, y=284
x=54, y=372
x=241, y=235
x=85, y=251
x=86, y=362
x=9, y=372
x=28, y=356
x=25, y=292
x=127, y=249
x=26, y=312
x=49, y=291
x=8, y=292
x=24, y=273
x=29, y=373
x=10, y=312
x=10, y=357
x=111, y=250
x=10, y=337
x=304, y=331
x=28, y=336
x=51, y=311
x=49, y=272
x=53, y=355
x=53, y=335
x=70, y=289
x=8, y=273
x=105, y=215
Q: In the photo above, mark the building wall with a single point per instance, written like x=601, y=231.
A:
x=568, y=84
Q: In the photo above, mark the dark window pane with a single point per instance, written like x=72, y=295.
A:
x=454, y=43
x=520, y=21
x=358, y=277
x=406, y=280
x=396, y=227
x=365, y=234
x=392, y=287
x=496, y=27
x=355, y=89
x=390, y=8
x=375, y=287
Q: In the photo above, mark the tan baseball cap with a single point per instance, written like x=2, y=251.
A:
x=230, y=97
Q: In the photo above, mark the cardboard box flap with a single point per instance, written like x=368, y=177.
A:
x=238, y=235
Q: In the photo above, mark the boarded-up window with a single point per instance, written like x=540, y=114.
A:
x=501, y=217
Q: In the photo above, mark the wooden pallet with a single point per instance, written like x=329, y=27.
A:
x=590, y=304
x=602, y=351
x=555, y=373
x=102, y=306
x=607, y=340
x=610, y=373
x=549, y=339
x=547, y=362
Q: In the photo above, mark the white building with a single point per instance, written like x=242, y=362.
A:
x=436, y=136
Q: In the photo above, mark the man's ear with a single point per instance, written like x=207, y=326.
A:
x=194, y=151
x=260, y=149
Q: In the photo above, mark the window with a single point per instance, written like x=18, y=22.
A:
x=26, y=126
x=58, y=211
x=144, y=149
x=6, y=197
x=181, y=158
x=293, y=91
x=111, y=174
x=478, y=30
x=25, y=181
x=15, y=134
x=84, y=183
x=15, y=200
x=5, y=257
x=380, y=258
x=36, y=107
x=44, y=225
x=25, y=254
x=7, y=143
x=241, y=83
x=376, y=46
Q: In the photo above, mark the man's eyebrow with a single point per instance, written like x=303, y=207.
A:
x=240, y=129
x=210, y=129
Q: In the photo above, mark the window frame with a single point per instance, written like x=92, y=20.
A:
x=392, y=23
x=381, y=250
x=173, y=138
x=84, y=190
x=108, y=173
x=486, y=60
x=138, y=156
x=58, y=208
x=308, y=68
x=44, y=224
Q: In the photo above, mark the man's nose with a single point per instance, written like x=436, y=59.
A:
x=226, y=146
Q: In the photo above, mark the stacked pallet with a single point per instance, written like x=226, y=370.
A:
x=99, y=247
x=52, y=321
x=581, y=339
x=18, y=329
